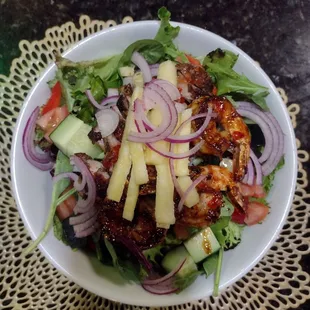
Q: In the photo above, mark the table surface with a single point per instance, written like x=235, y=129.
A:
x=275, y=33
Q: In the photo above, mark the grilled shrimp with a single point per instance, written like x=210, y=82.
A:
x=207, y=211
x=193, y=81
x=235, y=136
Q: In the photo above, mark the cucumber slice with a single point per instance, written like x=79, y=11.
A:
x=174, y=257
x=71, y=137
x=202, y=245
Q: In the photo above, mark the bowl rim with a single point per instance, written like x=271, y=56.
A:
x=78, y=280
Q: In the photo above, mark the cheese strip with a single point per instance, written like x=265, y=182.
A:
x=167, y=71
x=193, y=197
x=151, y=157
x=181, y=165
x=123, y=164
x=136, y=149
x=131, y=199
x=164, y=204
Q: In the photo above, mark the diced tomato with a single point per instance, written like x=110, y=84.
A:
x=54, y=101
x=49, y=121
x=256, y=212
x=214, y=91
x=65, y=209
x=238, y=216
x=256, y=191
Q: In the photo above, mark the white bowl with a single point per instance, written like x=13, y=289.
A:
x=32, y=188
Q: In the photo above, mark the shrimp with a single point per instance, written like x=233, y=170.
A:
x=207, y=211
x=235, y=136
x=193, y=81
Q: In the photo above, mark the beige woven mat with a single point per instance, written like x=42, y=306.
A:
x=277, y=282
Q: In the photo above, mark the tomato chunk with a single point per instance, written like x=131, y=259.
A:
x=238, y=216
x=256, y=191
x=65, y=209
x=49, y=121
x=54, y=101
x=256, y=212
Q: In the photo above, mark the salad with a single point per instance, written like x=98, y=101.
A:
x=159, y=159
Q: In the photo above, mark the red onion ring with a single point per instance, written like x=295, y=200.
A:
x=159, y=290
x=154, y=69
x=42, y=161
x=74, y=177
x=82, y=205
x=141, y=63
x=166, y=277
x=169, y=88
x=258, y=168
x=84, y=225
x=87, y=231
x=109, y=100
x=260, y=119
x=82, y=218
x=173, y=155
x=193, y=185
x=136, y=251
x=104, y=103
x=269, y=166
x=174, y=177
x=251, y=174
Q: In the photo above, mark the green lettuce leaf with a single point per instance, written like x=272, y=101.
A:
x=219, y=64
x=268, y=180
x=166, y=34
x=62, y=165
x=183, y=282
x=153, y=51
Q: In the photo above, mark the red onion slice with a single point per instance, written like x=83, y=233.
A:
x=169, y=88
x=173, y=155
x=104, y=103
x=154, y=69
x=74, y=177
x=87, y=232
x=84, y=225
x=82, y=218
x=108, y=121
x=82, y=205
x=159, y=290
x=42, y=161
x=258, y=168
x=192, y=186
x=260, y=119
x=251, y=175
x=136, y=251
x=174, y=177
x=165, y=278
x=141, y=63
x=112, y=100
x=269, y=166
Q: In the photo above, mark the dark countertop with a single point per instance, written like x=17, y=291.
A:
x=275, y=33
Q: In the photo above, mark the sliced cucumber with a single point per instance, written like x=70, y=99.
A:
x=174, y=257
x=71, y=137
x=202, y=245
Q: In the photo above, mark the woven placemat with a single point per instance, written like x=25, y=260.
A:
x=277, y=282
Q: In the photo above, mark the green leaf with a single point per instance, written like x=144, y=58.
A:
x=107, y=69
x=223, y=58
x=183, y=282
x=218, y=227
x=62, y=165
x=125, y=267
x=218, y=272
x=210, y=264
x=268, y=180
x=151, y=50
x=166, y=32
x=232, y=233
x=58, y=230
x=219, y=65
x=228, y=208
